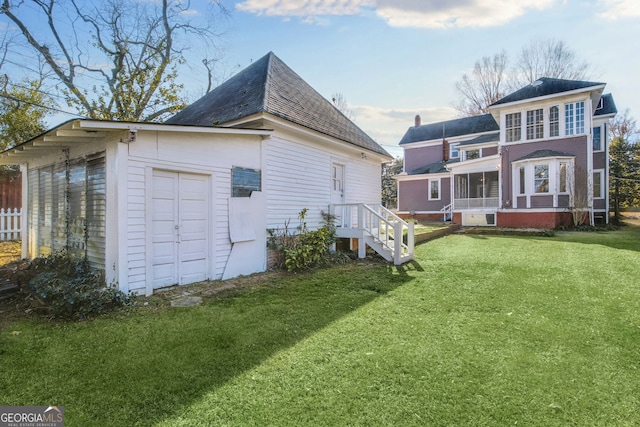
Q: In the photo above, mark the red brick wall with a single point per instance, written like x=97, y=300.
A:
x=545, y=220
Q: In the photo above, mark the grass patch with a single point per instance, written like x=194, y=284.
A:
x=479, y=331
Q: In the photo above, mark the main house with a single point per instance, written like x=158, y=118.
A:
x=539, y=159
x=158, y=204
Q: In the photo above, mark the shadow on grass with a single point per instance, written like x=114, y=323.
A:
x=140, y=369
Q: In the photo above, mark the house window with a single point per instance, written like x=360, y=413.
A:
x=597, y=139
x=562, y=179
x=541, y=178
x=244, y=181
x=554, y=121
x=574, y=118
x=472, y=154
x=535, y=124
x=598, y=184
x=523, y=186
x=434, y=189
x=513, y=127
x=453, y=152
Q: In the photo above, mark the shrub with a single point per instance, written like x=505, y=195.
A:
x=66, y=287
x=304, y=248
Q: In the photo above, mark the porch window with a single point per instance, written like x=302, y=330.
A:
x=434, y=189
x=513, y=123
x=523, y=181
x=554, y=121
x=541, y=178
x=67, y=208
x=472, y=154
x=535, y=124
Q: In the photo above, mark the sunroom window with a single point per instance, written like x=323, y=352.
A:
x=541, y=178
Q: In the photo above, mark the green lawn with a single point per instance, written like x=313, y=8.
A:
x=479, y=331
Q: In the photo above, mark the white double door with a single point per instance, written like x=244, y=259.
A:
x=180, y=228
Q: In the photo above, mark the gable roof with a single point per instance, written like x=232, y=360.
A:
x=541, y=154
x=450, y=128
x=608, y=106
x=270, y=86
x=545, y=86
x=437, y=167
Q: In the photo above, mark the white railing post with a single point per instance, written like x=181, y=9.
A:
x=397, y=243
x=410, y=238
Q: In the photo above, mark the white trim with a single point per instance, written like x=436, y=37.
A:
x=438, y=180
x=420, y=177
x=602, y=188
x=593, y=88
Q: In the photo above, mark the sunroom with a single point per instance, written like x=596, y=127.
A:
x=476, y=190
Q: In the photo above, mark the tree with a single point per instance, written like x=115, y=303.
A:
x=624, y=164
x=340, y=102
x=23, y=106
x=22, y=112
x=484, y=86
x=114, y=59
x=389, y=184
x=491, y=78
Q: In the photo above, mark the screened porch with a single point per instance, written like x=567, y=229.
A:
x=476, y=190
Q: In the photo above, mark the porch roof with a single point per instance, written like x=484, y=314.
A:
x=542, y=154
x=482, y=139
x=81, y=131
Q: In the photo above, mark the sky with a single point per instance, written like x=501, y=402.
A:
x=393, y=59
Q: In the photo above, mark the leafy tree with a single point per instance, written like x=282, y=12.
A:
x=624, y=164
x=492, y=78
x=113, y=59
x=389, y=184
x=23, y=109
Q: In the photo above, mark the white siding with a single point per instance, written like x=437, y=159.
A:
x=298, y=175
x=211, y=155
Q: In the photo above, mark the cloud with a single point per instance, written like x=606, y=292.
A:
x=618, y=9
x=388, y=125
x=456, y=13
x=304, y=8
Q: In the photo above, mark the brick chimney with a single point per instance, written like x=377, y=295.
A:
x=418, y=120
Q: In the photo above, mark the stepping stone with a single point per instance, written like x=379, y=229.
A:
x=186, y=302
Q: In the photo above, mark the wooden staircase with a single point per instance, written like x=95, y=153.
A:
x=377, y=227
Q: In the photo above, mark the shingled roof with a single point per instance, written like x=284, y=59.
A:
x=545, y=86
x=270, y=86
x=450, y=128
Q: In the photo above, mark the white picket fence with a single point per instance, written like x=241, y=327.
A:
x=10, y=226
